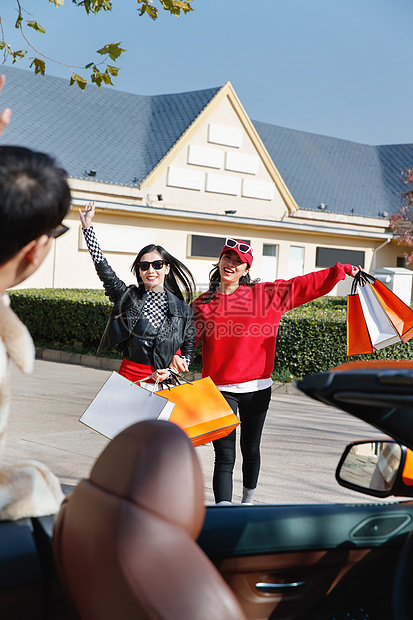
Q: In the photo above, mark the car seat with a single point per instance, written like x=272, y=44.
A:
x=125, y=539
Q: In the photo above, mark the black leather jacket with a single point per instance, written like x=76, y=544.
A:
x=176, y=332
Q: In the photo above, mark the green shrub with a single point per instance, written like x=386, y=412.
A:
x=311, y=338
x=64, y=316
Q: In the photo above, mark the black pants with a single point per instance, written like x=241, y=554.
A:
x=252, y=408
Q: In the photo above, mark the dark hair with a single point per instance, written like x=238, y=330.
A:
x=177, y=280
x=34, y=197
x=215, y=281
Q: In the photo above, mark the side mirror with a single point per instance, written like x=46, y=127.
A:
x=378, y=468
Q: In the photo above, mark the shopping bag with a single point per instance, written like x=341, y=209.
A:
x=398, y=312
x=388, y=319
x=120, y=403
x=201, y=410
x=358, y=339
x=381, y=330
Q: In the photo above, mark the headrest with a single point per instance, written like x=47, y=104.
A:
x=154, y=465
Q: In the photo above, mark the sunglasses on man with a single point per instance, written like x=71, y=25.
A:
x=156, y=264
x=58, y=231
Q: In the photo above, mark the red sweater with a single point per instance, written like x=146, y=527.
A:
x=239, y=330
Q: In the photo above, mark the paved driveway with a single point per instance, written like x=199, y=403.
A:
x=302, y=440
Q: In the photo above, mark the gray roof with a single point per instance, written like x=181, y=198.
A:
x=348, y=177
x=120, y=135
x=123, y=136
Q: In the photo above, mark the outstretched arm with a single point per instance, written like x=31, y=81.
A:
x=302, y=289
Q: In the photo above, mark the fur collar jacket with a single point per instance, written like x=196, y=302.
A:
x=27, y=489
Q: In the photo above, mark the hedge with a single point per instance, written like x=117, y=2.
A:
x=66, y=317
x=311, y=338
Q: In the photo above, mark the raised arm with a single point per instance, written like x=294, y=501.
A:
x=86, y=217
x=114, y=286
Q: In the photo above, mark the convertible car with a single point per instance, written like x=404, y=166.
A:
x=136, y=541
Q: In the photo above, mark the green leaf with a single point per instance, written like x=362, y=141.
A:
x=98, y=77
x=151, y=11
x=36, y=26
x=80, y=81
x=18, y=21
x=18, y=55
x=106, y=78
x=113, y=70
x=89, y=65
x=94, y=6
x=57, y=2
x=112, y=49
x=176, y=6
x=39, y=66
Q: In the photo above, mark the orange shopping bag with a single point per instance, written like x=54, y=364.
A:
x=358, y=339
x=201, y=410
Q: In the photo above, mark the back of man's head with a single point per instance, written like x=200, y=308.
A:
x=34, y=197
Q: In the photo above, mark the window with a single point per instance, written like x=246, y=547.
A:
x=401, y=261
x=269, y=262
x=208, y=247
x=327, y=257
x=296, y=264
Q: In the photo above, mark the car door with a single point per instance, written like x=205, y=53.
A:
x=323, y=561
x=309, y=561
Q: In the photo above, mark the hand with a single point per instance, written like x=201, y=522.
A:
x=178, y=364
x=160, y=375
x=355, y=270
x=6, y=114
x=87, y=215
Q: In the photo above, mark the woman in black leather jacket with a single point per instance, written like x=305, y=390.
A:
x=150, y=322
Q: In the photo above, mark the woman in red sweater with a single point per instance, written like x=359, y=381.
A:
x=237, y=320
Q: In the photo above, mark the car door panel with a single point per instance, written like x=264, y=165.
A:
x=309, y=560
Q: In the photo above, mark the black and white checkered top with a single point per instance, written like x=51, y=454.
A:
x=155, y=308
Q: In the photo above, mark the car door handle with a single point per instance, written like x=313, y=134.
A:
x=278, y=588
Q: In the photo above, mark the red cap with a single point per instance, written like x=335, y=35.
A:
x=242, y=250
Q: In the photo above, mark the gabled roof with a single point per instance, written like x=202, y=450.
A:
x=348, y=177
x=124, y=137
x=227, y=92
x=120, y=135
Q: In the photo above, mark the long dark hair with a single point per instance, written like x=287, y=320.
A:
x=215, y=281
x=178, y=281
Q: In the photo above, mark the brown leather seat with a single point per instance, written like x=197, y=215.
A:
x=124, y=540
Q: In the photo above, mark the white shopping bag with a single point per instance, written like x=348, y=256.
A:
x=120, y=403
x=381, y=330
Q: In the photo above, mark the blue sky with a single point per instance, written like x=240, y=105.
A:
x=336, y=67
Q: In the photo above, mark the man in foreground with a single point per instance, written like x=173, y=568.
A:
x=34, y=199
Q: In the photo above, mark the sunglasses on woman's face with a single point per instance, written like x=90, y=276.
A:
x=243, y=247
x=156, y=264
x=58, y=231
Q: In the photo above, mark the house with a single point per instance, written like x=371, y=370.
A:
x=188, y=170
